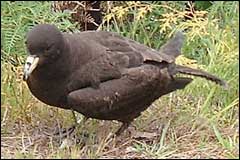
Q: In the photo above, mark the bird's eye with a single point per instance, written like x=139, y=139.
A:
x=49, y=47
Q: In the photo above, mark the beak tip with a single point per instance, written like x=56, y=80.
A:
x=25, y=77
x=30, y=65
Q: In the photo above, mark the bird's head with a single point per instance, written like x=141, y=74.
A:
x=44, y=44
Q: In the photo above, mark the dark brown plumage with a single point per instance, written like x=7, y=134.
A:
x=101, y=74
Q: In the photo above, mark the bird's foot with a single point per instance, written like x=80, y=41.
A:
x=62, y=133
x=122, y=128
x=68, y=131
x=69, y=136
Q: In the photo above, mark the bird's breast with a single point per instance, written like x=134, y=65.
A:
x=51, y=92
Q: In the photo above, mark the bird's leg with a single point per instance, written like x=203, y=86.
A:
x=67, y=138
x=122, y=128
x=70, y=130
x=78, y=123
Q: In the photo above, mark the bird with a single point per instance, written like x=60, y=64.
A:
x=101, y=74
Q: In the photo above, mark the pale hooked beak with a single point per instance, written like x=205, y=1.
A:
x=30, y=65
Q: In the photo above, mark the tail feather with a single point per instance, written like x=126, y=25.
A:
x=174, y=45
x=178, y=83
x=200, y=73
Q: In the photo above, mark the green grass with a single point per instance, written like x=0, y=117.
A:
x=200, y=121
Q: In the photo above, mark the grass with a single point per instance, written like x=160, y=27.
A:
x=200, y=121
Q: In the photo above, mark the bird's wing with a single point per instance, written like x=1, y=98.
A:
x=168, y=52
x=98, y=70
x=112, y=54
x=118, y=97
x=174, y=45
x=137, y=53
x=125, y=98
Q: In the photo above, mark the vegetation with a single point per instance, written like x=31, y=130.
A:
x=198, y=122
